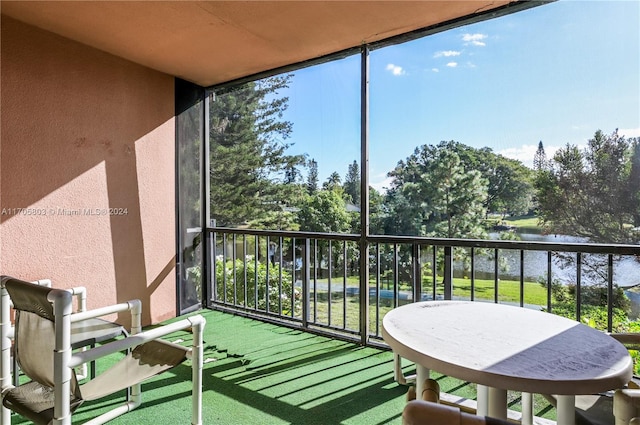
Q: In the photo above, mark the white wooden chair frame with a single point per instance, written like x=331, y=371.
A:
x=65, y=360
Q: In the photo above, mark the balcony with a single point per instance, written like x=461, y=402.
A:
x=314, y=280
x=113, y=145
x=276, y=375
x=313, y=283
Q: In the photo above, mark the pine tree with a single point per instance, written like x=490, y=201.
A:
x=434, y=194
x=247, y=150
x=540, y=158
x=352, y=183
x=312, y=177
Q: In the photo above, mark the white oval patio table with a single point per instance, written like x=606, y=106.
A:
x=507, y=348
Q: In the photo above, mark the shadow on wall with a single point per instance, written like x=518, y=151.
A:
x=88, y=142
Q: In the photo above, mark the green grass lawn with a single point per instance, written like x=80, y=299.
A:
x=525, y=224
x=508, y=292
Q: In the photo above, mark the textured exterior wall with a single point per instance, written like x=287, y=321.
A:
x=87, y=171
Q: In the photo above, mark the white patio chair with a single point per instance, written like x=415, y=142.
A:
x=84, y=334
x=43, y=348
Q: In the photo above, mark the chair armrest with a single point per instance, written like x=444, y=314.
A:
x=135, y=306
x=103, y=311
x=196, y=322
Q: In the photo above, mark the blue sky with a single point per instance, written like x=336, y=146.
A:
x=555, y=73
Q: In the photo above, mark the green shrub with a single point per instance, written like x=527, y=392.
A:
x=283, y=298
x=593, y=315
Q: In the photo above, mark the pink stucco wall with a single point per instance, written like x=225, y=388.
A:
x=87, y=153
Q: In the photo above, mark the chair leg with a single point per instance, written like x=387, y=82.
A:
x=197, y=364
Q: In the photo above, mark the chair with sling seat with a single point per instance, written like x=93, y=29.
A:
x=86, y=333
x=43, y=349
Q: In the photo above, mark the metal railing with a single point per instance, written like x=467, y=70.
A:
x=320, y=281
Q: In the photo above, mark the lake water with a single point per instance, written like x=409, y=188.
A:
x=626, y=270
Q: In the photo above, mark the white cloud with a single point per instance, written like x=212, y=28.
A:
x=474, y=39
x=381, y=183
x=525, y=153
x=629, y=132
x=435, y=69
x=395, y=69
x=446, y=53
x=452, y=64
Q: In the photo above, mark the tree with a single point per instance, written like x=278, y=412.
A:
x=586, y=192
x=324, y=212
x=352, y=183
x=312, y=177
x=400, y=216
x=457, y=199
x=434, y=194
x=509, y=182
x=247, y=151
x=376, y=213
x=540, y=158
x=292, y=174
x=332, y=182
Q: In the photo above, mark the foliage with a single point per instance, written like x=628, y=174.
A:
x=333, y=182
x=283, y=298
x=509, y=183
x=324, y=212
x=399, y=215
x=634, y=182
x=248, y=151
x=312, y=177
x=593, y=315
x=589, y=294
x=436, y=195
x=540, y=158
x=276, y=219
x=376, y=212
x=589, y=193
x=352, y=183
x=593, y=302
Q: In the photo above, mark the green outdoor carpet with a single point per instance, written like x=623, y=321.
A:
x=257, y=373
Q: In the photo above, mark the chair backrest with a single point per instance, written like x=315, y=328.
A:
x=42, y=335
x=35, y=332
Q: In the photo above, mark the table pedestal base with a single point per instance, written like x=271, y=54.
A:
x=492, y=402
x=566, y=408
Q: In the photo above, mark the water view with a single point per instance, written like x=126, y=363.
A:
x=626, y=270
